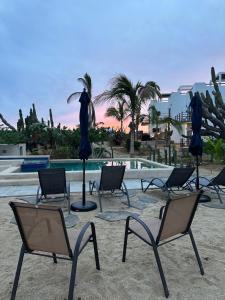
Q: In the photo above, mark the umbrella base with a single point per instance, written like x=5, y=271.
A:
x=204, y=198
x=78, y=206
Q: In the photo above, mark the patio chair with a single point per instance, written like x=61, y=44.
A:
x=174, y=222
x=111, y=180
x=179, y=179
x=43, y=233
x=215, y=184
x=53, y=182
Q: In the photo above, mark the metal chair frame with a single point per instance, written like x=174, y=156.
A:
x=99, y=186
x=165, y=186
x=42, y=194
x=73, y=255
x=155, y=243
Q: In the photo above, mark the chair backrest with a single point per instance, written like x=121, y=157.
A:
x=220, y=178
x=178, y=216
x=179, y=177
x=111, y=177
x=52, y=181
x=42, y=228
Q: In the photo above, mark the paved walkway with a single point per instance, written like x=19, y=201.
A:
x=75, y=186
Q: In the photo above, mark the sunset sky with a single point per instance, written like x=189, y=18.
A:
x=46, y=45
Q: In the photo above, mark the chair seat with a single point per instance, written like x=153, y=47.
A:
x=159, y=183
x=153, y=225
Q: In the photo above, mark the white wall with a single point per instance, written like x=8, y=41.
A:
x=10, y=149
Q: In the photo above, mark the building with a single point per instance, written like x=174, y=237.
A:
x=177, y=104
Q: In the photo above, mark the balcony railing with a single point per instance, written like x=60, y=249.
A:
x=183, y=117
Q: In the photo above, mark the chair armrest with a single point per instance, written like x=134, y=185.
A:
x=146, y=228
x=161, y=211
x=78, y=248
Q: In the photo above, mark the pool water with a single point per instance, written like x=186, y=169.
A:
x=94, y=166
x=135, y=164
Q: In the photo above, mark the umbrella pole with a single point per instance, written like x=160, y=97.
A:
x=83, y=185
x=197, y=173
x=83, y=205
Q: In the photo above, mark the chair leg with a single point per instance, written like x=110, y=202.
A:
x=17, y=275
x=125, y=191
x=146, y=188
x=54, y=258
x=95, y=245
x=91, y=186
x=100, y=200
x=196, y=252
x=71, y=295
x=125, y=243
x=218, y=194
x=166, y=291
x=142, y=185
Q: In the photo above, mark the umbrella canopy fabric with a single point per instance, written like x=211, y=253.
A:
x=85, y=146
x=195, y=147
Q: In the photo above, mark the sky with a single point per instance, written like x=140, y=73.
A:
x=46, y=45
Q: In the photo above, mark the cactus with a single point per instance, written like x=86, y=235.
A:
x=20, y=122
x=213, y=111
x=34, y=114
x=51, y=118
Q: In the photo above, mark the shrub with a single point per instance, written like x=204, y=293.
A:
x=136, y=145
x=64, y=152
x=117, y=138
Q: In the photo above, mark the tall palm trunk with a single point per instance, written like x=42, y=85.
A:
x=121, y=126
x=132, y=137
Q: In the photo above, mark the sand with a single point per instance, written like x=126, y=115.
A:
x=138, y=278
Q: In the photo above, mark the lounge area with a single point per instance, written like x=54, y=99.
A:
x=138, y=277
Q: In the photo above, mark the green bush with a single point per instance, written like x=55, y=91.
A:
x=11, y=137
x=64, y=152
x=117, y=137
x=136, y=145
x=215, y=148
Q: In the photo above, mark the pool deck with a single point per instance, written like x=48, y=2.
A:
x=75, y=187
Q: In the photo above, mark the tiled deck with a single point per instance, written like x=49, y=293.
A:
x=75, y=186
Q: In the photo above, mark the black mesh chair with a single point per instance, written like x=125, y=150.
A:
x=43, y=233
x=175, y=219
x=53, y=182
x=216, y=184
x=178, y=180
x=111, y=180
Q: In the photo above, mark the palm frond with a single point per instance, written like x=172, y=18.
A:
x=112, y=112
x=87, y=83
x=172, y=122
x=73, y=97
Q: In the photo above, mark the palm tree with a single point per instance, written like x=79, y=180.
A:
x=120, y=113
x=169, y=122
x=87, y=84
x=134, y=95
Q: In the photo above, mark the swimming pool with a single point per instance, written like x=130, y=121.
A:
x=97, y=165
x=90, y=165
x=136, y=168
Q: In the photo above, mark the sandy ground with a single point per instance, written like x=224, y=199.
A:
x=138, y=278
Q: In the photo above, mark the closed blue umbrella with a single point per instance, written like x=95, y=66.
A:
x=195, y=147
x=196, y=118
x=84, y=152
x=85, y=146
